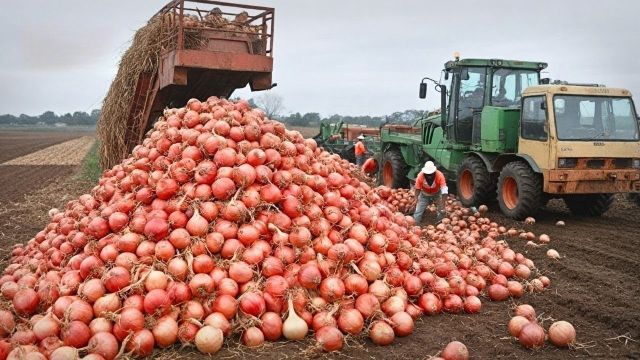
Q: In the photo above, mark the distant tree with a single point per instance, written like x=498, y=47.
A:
x=271, y=103
x=311, y=118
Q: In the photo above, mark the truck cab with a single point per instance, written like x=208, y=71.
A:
x=583, y=140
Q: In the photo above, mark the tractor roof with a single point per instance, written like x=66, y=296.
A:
x=588, y=90
x=497, y=63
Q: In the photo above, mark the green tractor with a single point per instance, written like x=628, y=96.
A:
x=502, y=135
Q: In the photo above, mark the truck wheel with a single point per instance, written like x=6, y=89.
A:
x=519, y=190
x=394, y=170
x=589, y=205
x=475, y=185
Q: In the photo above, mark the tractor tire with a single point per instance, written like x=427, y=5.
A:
x=519, y=190
x=394, y=170
x=589, y=205
x=635, y=198
x=474, y=183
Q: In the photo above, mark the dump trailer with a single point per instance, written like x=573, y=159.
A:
x=235, y=49
x=504, y=135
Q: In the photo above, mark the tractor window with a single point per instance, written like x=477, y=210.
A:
x=471, y=100
x=595, y=118
x=508, y=85
x=534, y=119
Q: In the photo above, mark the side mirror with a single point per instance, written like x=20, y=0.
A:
x=464, y=74
x=423, y=90
x=446, y=75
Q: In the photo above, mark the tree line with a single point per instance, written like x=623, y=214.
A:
x=314, y=118
x=273, y=106
x=51, y=119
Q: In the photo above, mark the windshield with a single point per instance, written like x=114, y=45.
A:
x=595, y=118
x=508, y=85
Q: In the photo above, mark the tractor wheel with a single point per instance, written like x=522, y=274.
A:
x=394, y=170
x=475, y=185
x=589, y=205
x=635, y=198
x=519, y=190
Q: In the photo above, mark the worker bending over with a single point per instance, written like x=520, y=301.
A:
x=430, y=186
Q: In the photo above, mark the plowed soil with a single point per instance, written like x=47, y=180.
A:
x=15, y=143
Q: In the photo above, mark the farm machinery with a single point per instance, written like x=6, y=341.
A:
x=503, y=134
x=189, y=49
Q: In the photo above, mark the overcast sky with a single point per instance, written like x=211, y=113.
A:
x=330, y=56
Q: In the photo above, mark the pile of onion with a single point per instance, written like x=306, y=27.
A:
x=222, y=217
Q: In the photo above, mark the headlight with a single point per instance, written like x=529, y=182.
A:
x=567, y=162
x=635, y=163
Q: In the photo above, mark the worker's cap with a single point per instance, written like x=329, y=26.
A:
x=361, y=137
x=429, y=168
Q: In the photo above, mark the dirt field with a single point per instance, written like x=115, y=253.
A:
x=15, y=143
x=594, y=286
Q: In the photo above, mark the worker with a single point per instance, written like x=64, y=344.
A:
x=430, y=186
x=360, y=151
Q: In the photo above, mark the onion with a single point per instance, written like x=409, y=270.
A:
x=141, y=343
x=516, y=324
x=472, y=304
x=329, y=338
x=25, y=301
x=7, y=324
x=455, y=350
x=402, y=323
x=157, y=300
x=46, y=327
x=553, y=254
x=165, y=331
x=103, y=344
x=252, y=337
x=76, y=334
x=531, y=335
x=252, y=303
x=562, y=333
x=367, y=304
x=209, y=340
x=526, y=311
x=64, y=353
x=271, y=326
x=294, y=328
x=381, y=333
x=350, y=321
x=498, y=292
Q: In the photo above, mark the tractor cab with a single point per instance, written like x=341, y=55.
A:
x=479, y=85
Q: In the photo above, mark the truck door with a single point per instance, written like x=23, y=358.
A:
x=534, y=130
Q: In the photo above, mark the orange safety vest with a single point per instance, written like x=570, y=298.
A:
x=360, y=149
x=434, y=188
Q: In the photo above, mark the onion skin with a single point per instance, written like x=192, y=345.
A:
x=381, y=333
x=516, y=324
x=329, y=338
x=531, y=336
x=209, y=340
x=562, y=333
x=455, y=350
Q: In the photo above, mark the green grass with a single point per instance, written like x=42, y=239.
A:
x=91, y=170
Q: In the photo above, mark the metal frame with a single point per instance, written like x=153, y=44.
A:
x=263, y=17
